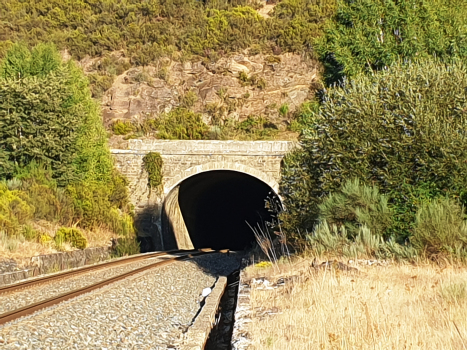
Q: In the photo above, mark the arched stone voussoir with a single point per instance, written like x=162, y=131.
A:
x=212, y=166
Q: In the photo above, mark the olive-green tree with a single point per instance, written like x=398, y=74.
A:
x=47, y=115
x=402, y=129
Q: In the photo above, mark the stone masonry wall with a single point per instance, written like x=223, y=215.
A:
x=182, y=159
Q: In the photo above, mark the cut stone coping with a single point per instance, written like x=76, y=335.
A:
x=198, y=334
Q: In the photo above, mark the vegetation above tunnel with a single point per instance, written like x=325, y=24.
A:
x=150, y=29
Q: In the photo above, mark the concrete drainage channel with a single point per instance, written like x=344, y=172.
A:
x=220, y=337
x=213, y=326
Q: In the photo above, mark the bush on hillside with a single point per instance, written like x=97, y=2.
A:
x=14, y=211
x=369, y=35
x=146, y=31
x=178, y=124
x=356, y=205
x=297, y=23
x=440, y=229
x=122, y=127
x=402, y=129
x=72, y=236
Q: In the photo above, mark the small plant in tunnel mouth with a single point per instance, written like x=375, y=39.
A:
x=263, y=235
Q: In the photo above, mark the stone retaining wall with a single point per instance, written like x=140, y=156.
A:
x=17, y=270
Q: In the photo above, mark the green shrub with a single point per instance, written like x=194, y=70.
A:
x=45, y=239
x=356, y=205
x=14, y=211
x=122, y=127
x=188, y=100
x=70, y=235
x=440, y=228
x=178, y=124
x=47, y=115
x=30, y=234
x=152, y=163
x=100, y=83
x=299, y=22
x=330, y=240
x=252, y=80
x=90, y=203
x=126, y=246
x=40, y=191
x=402, y=129
x=284, y=110
x=369, y=35
x=254, y=127
x=122, y=223
x=304, y=116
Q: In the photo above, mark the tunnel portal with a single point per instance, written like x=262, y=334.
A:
x=216, y=204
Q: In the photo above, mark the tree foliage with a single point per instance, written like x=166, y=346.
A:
x=53, y=147
x=47, y=115
x=367, y=35
x=402, y=129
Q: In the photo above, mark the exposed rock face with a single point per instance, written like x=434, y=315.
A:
x=214, y=88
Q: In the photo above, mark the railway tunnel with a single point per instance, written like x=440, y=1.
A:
x=212, y=208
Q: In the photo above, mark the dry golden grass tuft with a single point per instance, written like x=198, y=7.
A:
x=390, y=307
x=18, y=247
x=99, y=237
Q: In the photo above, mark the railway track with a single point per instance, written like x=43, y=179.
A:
x=172, y=256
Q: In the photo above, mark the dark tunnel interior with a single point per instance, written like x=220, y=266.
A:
x=216, y=204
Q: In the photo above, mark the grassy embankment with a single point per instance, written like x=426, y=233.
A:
x=398, y=306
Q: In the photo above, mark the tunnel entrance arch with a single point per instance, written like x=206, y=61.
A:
x=211, y=205
x=267, y=179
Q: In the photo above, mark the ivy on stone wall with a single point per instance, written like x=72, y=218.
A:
x=152, y=163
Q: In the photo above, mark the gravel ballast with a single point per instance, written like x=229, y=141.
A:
x=150, y=310
x=30, y=295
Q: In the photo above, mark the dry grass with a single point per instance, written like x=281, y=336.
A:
x=99, y=237
x=18, y=247
x=393, y=307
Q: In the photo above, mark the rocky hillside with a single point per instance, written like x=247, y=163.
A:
x=233, y=88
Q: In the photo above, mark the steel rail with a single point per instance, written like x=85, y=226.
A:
x=45, y=279
x=30, y=309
